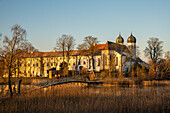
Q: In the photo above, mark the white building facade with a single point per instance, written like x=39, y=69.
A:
x=106, y=55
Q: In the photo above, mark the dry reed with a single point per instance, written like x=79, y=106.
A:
x=71, y=98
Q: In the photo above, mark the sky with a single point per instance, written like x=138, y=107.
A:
x=46, y=20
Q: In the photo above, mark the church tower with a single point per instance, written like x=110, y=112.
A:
x=120, y=39
x=131, y=43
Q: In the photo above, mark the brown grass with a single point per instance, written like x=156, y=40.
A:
x=71, y=98
x=25, y=80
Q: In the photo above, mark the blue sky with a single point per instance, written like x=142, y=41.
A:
x=46, y=20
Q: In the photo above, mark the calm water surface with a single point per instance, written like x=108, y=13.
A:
x=105, y=90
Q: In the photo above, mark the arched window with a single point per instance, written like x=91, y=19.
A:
x=74, y=64
x=84, y=62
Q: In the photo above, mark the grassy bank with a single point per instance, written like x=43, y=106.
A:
x=25, y=80
x=79, y=99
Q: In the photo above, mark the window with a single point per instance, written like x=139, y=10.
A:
x=105, y=60
x=94, y=64
x=116, y=61
x=37, y=64
x=74, y=64
x=89, y=63
x=84, y=62
x=98, y=61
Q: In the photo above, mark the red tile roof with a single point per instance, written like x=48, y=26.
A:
x=108, y=46
x=100, y=46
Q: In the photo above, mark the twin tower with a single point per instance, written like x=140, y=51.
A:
x=131, y=43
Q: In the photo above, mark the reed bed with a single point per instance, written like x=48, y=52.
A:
x=72, y=98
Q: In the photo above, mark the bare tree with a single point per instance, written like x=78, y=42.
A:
x=2, y=68
x=167, y=55
x=90, y=43
x=1, y=61
x=27, y=47
x=70, y=43
x=65, y=43
x=11, y=47
x=83, y=46
x=61, y=44
x=164, y=66
x=154, y=49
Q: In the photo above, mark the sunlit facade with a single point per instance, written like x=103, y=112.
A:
x=106, y=55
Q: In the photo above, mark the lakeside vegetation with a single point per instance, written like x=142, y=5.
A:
x=25, y=80
x=73, y=98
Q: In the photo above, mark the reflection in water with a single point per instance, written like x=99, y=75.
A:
x=4, y=89
x=99, y=89
x=45, y=89
x=107, y=90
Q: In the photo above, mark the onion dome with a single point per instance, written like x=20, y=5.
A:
x=131, y=39
x=119, y=39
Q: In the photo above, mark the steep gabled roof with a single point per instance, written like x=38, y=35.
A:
x=117, y=47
